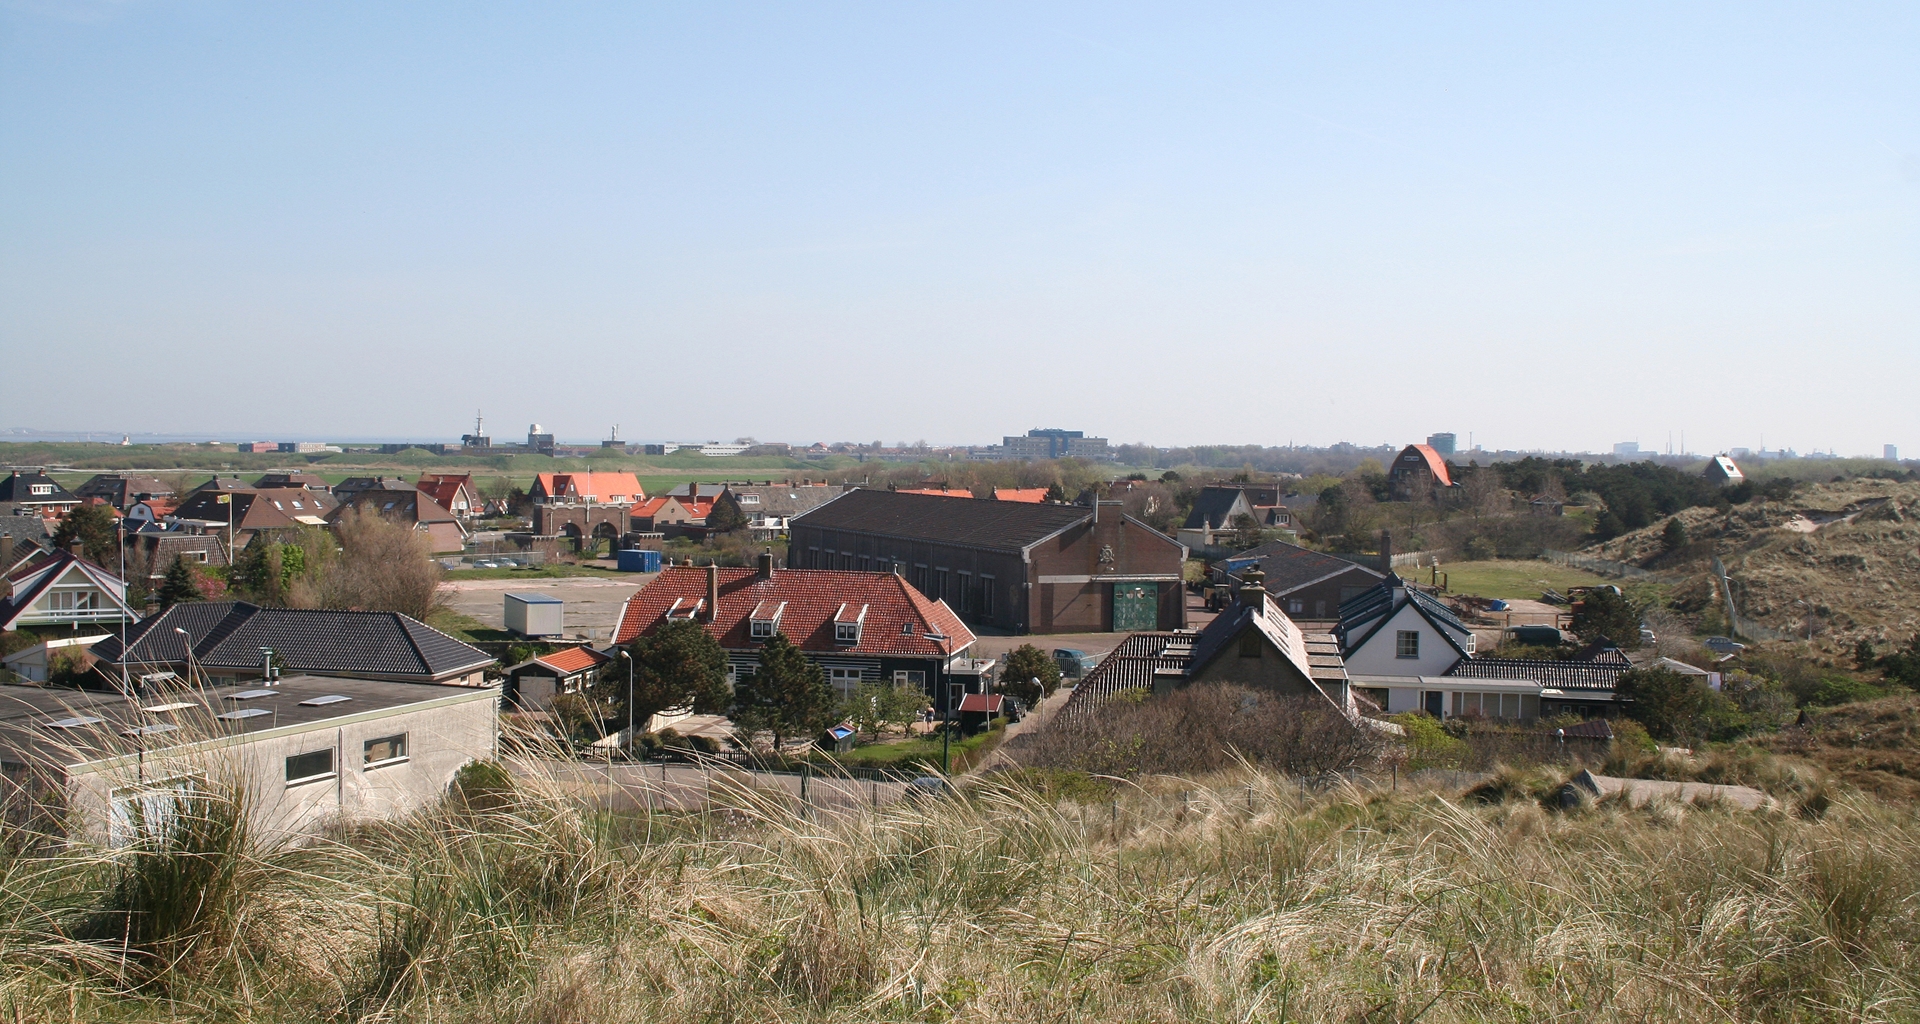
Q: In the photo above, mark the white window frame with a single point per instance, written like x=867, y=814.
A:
x=333, y=767
x=405, y=755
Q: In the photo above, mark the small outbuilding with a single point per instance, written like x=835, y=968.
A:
x=535, y=614
x=1722, y=470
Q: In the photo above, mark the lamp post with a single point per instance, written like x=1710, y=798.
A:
x=628, y=658
x=189, y=643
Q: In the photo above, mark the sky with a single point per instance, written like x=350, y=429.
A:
x=1548, y=226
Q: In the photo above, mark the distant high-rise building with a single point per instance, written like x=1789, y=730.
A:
x=1626, y=449
x=1442, y=443
x=1054, y=443
x=1891, y=452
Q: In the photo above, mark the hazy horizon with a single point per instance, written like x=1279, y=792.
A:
x=1555, y=229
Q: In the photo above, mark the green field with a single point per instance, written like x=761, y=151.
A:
x=1511, y=579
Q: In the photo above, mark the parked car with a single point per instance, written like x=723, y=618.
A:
x=1647, y=636
x=1073, y=663
x=1723, y=645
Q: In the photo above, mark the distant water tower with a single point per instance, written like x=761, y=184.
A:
x=1892, y=452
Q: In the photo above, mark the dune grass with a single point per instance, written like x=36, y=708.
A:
x=1238, y=897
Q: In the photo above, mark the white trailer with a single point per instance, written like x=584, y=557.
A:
x=535, y=614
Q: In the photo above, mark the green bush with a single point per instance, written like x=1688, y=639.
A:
x=1843, y=689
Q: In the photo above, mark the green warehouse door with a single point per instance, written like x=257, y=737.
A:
x=1136, y=607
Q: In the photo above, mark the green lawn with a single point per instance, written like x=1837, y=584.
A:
x=1510, y=579
x=900, y=753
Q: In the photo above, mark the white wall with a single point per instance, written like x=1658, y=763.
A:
x=1377, y=657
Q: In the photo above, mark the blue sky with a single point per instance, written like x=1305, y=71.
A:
x=1552, y=226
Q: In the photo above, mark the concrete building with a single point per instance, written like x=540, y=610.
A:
x=301, y=751
x=1442, y=443
x=1722, y=470
x=1030, y=568
x=1890, y=452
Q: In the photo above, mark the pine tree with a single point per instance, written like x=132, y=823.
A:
x=92, y=526
x=180, y=586
x=725, y=515
x=787, y=696
x=679, y=666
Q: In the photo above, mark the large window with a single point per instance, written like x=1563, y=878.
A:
x=312, y=765
x=966, y=592
x=986, y=596
x=844, y=680
x=383, y=751
x=1406, y=643
x=72, y=601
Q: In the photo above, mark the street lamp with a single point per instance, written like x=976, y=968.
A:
x=189, y=642
x=628, y=658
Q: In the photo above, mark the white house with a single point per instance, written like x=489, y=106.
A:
x=58, y=588
x=34, y=664
x=1394, y=630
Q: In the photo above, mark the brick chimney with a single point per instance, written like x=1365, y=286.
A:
x=1253, y=588
x=713, y=591
x=1386, y=550
x=765, y=564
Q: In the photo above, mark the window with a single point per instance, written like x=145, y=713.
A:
x=1250, y=644
x=749, y=499
x=1406, y=643
x=296, y=505
x=940, y=590
x=966, y=592
x=986, y=596
x=905, y=678
x=41, y=488
x=1296, y=606
x=383, y=751
x=314, y=764
x=321, y=702
x=762, y=629
x=920, y=576
x=813, y=558
x=72, y=601
x=846, y=632
x=844, y=680
x=194, y=556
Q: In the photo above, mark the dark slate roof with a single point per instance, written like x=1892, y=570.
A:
x=1289, y=567
x=1565, y=674
x=1214, y=507
x=17, y=489
x=29, y=528
x=1132, y=666
x=1363, y=614
x=1001, y=525
x=229, y=634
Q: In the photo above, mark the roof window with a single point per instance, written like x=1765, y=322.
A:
x=178, y=705
x=76, y=722
x=251, y=694
x=235, y=716
x=150, y=730
x=320, y=702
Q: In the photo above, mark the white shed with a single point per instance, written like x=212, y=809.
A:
x=535, y=614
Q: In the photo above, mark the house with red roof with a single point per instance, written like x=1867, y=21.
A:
x=452, y=491
x=587, y=489
x=533, y=684
x=1418, y=473
x=861, y=627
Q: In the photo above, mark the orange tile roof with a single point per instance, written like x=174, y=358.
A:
x=813, y=597
x=573, y=659
x=1435, y=463
x=1032, y=495
x=940, y=493
x=601, y=487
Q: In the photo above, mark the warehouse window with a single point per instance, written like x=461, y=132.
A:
x=378, y=753
x=310, y=766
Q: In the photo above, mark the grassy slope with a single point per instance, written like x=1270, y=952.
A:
x=1231, y=898
x=1874, y=745
x=1512, y=579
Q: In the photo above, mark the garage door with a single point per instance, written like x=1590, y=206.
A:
x=1136, y=607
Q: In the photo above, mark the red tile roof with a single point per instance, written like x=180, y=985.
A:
x=615, y=488
x=813, y=598
x=987, y=702
x=445, y=487
x=573, y=659
x=941, y=492
x=1032, y=495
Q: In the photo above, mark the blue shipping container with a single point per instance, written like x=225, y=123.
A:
x=639, y=561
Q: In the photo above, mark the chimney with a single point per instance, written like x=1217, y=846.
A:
x=1253, y=588
x=766, y=565
x=713, y=591
x=1386, y=550
x=76, y=547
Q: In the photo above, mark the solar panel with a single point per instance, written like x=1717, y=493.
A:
x=161, y=709
x=251, y=694
x=149, y=730
x=77, y=722
x=234, y=716
x=316, y=702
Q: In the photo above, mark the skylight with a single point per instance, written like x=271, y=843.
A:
x=76, y=722
x=234, y=716
x=150, y=730
x=161, y=709
x=318, y=702
x=251, y=694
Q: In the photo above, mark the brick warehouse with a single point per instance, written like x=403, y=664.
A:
x=1029, y=568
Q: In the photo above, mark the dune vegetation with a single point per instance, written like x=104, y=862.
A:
x=1238, y=896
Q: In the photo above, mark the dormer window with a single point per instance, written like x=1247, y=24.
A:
x=41, y=488
x=766, y=619
x=846, y=623
x=749, y=499
x=682, y=610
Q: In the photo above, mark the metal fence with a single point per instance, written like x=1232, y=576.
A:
x=1598, y=566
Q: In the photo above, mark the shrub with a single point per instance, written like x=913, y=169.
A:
x=1202, y=728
